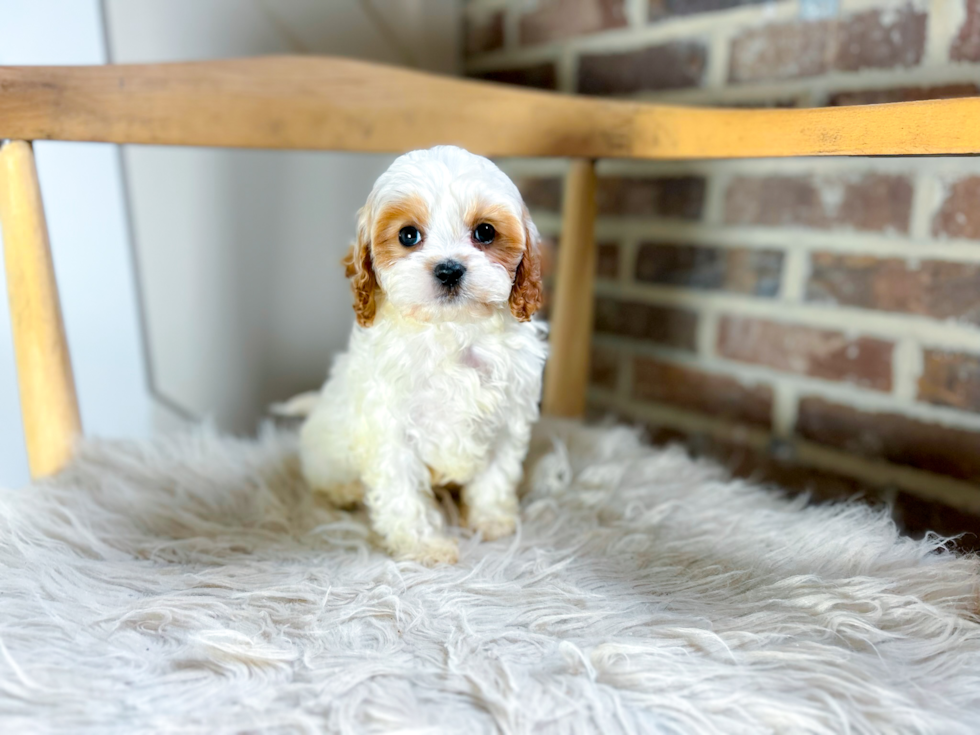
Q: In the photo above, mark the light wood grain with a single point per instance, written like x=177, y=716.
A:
x=567, y=371
x=340, y=104
x=47, y=389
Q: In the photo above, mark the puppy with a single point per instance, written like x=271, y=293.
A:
x=442, y=376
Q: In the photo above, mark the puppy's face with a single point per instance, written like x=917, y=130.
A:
x=445, y=236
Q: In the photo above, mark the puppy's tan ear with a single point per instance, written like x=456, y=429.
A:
x=525, y=296
x=359, y=268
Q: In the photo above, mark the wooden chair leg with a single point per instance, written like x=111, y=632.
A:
x=47, y=388
x=567, y=372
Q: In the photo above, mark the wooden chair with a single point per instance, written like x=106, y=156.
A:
x=338, y=104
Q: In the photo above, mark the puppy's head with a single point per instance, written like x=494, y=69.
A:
x=444, y=236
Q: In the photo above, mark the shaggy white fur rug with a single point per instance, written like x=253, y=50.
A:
x=193, y=585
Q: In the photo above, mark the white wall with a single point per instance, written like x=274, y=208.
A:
x=239, y=250
x=82, y=188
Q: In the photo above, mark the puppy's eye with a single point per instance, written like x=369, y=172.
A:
x=409, y=236
x=484, y=233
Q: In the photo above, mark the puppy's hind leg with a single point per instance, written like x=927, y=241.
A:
x=342, y=494
x=326, y=460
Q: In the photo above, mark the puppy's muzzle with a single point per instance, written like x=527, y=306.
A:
x=449, y=273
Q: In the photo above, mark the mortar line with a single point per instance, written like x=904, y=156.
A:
x=716, y=185
x=716, y=74
x=511, y=30
x=796, y=272
x=624, y=375
x=945, y=19
x=850, y=7
x=850, y=321
x=837, y=391
x=677, y=231
x=637, y=12
x=567, y=69
x=784, y=408
x=706, y=337
x=628, y=249
x=907, y=364
x=924, y=200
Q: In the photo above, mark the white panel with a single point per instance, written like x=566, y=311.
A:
x=240, y=250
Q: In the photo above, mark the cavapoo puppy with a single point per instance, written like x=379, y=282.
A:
x=442, y=376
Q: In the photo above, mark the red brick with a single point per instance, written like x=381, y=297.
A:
x=607, y=260
x=873, y=202
x=966, y=45
x=661, y=324
x=555, y=19
x=484, y=34
x=781, y=51
x=681, y=197
x=660, y=9
x=604, y=368
x=739, y=270
x=672, y=65
x=951, y=379
x=959, y=215
x=541, y=192
x=873, y=39
x=917, y=516
x=929, y=288
x=549, y=256
x=820, y=353
x=547, y=295
x=877, y=202
x=765, y=467
x=796, y=478
x=707, y=393
x=661, y=435
x=879, y=39
x=892, y=437
x=902, y=94
x=539, y=76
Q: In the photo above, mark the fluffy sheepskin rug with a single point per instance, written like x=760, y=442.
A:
x=194, y=585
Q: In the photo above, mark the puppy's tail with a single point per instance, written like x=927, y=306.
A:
x=297, y=407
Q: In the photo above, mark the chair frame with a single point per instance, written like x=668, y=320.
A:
x=326, y=103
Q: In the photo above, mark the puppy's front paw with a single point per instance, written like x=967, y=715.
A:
x=433, y=550
x=492, y=526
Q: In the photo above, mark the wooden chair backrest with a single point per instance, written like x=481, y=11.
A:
x=338, y=104
x=327, y=103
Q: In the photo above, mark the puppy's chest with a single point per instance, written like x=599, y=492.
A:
x=456, y=413
x=461, y=384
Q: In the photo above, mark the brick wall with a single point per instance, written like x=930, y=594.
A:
x=811, y=322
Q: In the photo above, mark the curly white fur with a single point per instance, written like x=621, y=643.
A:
x=436, y=388
x=195, y=585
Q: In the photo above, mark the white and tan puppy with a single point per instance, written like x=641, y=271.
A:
x=442, y=376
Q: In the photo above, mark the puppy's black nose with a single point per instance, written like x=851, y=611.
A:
x=449, y=272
